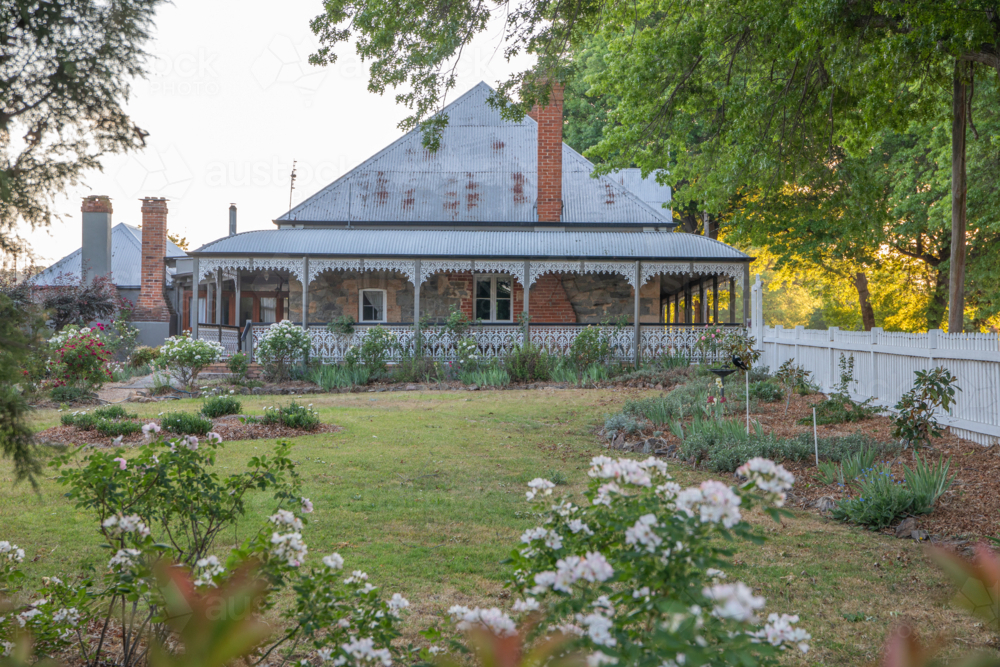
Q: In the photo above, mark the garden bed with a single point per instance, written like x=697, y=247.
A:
x=661, y=380
x=230, y=428
x=969, y=510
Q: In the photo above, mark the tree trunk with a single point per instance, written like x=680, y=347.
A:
x=710, y=227
x=864, y=298
x=938, y=304
x=689, y=222
x=956, y=283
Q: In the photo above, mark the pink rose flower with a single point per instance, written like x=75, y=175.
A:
x=121, y=462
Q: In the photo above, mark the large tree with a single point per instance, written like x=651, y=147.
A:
x=738, y=98
x=65, y=71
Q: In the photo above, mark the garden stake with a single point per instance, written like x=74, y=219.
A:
x=815, y=439
x=746, y=374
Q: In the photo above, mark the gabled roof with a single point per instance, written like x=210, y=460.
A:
x=486, y=171
x=429, y=243
x=126, y=260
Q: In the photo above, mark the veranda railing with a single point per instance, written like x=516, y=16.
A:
x=496, y=340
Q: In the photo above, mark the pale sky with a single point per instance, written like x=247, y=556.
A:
x=229, y=102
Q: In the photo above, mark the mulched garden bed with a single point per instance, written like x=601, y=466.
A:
x=229, y=427
x=969, y=510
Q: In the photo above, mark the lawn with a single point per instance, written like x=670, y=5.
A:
x=425, y=492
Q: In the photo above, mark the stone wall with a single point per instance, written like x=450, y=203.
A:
x=555, y=298
x=598, y=296
x=336, y=293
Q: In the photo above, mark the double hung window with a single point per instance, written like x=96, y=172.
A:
x=372, y=305
x=494, y=298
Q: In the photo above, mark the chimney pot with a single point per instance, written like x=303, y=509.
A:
x=232, y=219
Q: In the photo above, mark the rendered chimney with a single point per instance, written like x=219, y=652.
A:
x=550, y=147
x=95, y=254
x=152, y=304
x=232, y=219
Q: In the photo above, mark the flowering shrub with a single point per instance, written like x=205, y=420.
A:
x=185, y=357
x=467, y=352
x=635, y=574
x=79, y=358
x=157, y=491
x=711, y=340
x=283, y=344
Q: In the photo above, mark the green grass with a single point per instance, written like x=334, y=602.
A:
x=425, y=491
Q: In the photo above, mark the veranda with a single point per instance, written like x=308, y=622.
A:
x=646, y=309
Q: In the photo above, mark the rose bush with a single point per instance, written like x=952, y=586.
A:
x=184, y=357
x=711, y=342
x=283, y=344
x=80, y=358
x=142, y=508
x=636, y=574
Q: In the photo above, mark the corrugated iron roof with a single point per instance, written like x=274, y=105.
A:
x=485, y=171
x=473, y=244
x=646, y=189
x=126, y=260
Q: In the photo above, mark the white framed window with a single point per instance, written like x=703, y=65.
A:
x=371, y=305
x=494, y=299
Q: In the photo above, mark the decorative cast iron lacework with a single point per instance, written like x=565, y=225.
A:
x=407, y=266
x=496, y=341
x=559, y=339
x=438, y=343
x=296, y=267
x=207, y=267
x=732, y=270
x=318, y=266
x=515, y=269
x=657, y=340
x=650, y=269
x=230, y=338
x=429, y=268
x=538, y=269
x=624, y=269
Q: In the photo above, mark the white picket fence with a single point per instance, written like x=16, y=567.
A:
x=884, y=365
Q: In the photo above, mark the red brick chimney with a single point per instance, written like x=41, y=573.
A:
x=550, y=145
x=152, y=305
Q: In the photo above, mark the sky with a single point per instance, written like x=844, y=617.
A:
x=229, y=102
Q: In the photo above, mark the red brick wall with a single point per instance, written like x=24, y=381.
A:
x=151, y=306
x=549, y=302
x=550, y=143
